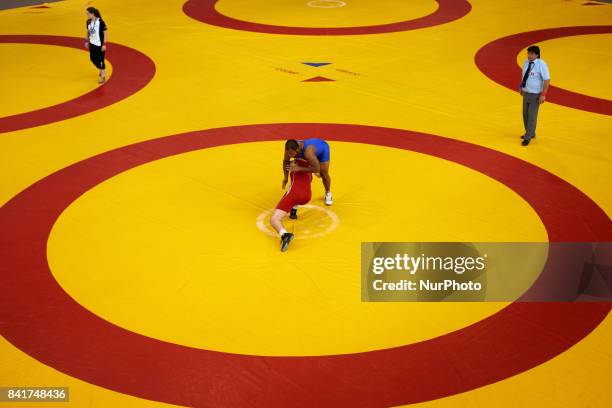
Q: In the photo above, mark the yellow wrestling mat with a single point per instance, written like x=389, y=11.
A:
x=193, y=223
x=179, y=248
x=48, y=83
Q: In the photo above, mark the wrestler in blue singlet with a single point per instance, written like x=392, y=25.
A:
x=321, y=149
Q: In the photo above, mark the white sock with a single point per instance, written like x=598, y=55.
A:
x=282, y=232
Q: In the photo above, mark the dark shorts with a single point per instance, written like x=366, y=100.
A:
x=96, y=55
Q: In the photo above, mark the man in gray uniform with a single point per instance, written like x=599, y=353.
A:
x=534, y=86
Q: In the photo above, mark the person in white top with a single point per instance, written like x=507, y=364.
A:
x=95, y=40
x=533, y=88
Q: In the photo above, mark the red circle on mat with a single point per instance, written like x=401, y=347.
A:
x=447, y=11
x=42, y=320
x=497, y=60
x=132, y=70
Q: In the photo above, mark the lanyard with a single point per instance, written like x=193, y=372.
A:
x=92, y=27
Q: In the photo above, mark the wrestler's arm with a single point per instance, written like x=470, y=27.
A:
x=286, y=163
x=314, y=165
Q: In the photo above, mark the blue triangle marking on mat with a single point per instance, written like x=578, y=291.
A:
x=316, y=64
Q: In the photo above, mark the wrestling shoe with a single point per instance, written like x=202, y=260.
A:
x=285, y=240
x=328, y=198
x=293, y=213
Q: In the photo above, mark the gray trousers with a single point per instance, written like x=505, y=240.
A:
x=531, y=104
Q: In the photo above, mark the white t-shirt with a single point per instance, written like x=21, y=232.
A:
x=96, y=29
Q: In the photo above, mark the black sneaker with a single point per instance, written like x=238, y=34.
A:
x=293, y=214
x=285, y=240
x=525, y=142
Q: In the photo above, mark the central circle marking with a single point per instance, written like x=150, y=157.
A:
x=322, y=226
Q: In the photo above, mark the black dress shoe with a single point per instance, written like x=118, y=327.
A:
x=525, y=143
x=293, y=214
x=285, y=240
